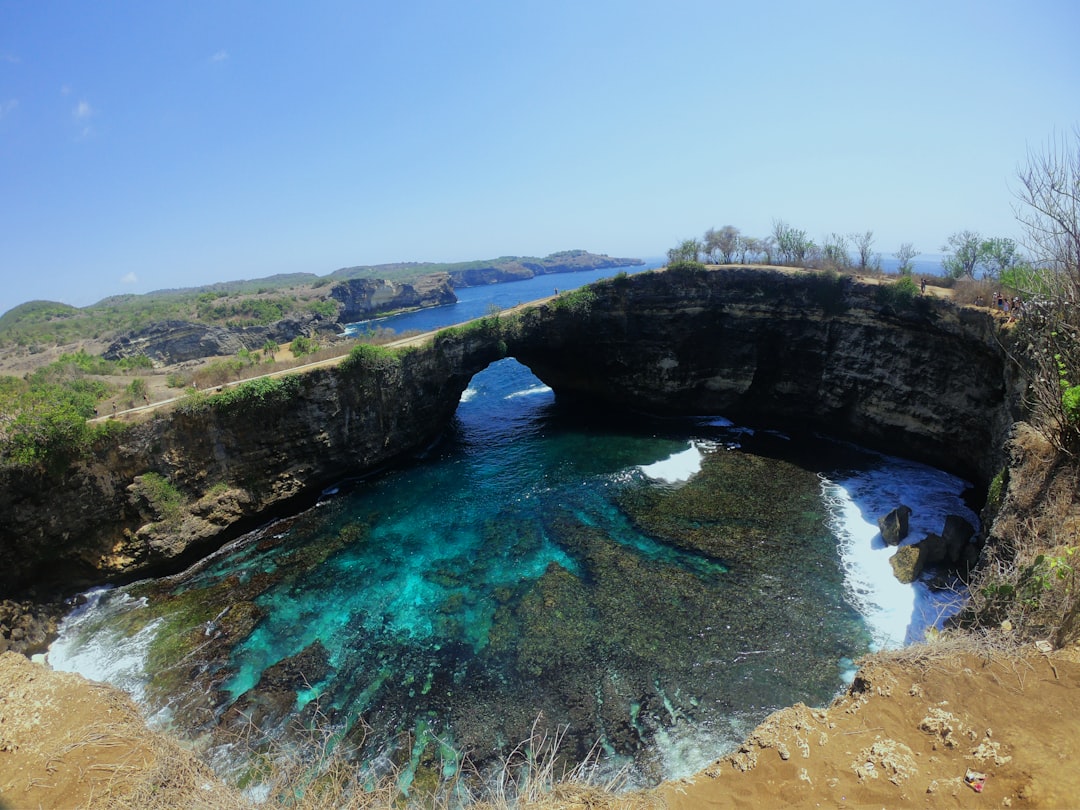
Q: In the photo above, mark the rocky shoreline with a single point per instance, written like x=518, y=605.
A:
x=28, y=626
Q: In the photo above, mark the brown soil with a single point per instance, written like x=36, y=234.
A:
x=905, y=735
x=68, y=743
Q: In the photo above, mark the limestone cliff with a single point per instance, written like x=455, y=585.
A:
x=172, y=342
x=364, y=297
x=924, y=379
x=228, y=465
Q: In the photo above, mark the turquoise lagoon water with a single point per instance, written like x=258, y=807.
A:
x=653, y=586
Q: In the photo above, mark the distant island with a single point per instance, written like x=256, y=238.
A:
x=185, y=323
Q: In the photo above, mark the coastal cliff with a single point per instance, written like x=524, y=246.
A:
x=363, y=297
x=514, y=268
x=917, y=377
x=814, y=352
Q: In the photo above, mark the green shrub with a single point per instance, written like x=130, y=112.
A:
x=900, y=294
x=685, y=266
x=251, y=395
x=368, y=356
x=578, y=302
x=137, y=389
x=43, y=417
x=164, y=499
x=303, y=345
x=328, y=309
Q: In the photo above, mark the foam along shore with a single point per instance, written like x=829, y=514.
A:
x=896, y=614
x=109, y=657
x=676, y=468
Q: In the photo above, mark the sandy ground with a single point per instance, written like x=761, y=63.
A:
x=66, y=742
x=907, y=735
x=913, y=727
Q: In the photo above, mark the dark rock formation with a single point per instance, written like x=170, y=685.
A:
x=894, y=526
x=80, y=525
x=27, y=627
x=793, y=349
x=956, y=536
x=363, y=297
x=171, y=342
x=952, y=549
x=908, y=562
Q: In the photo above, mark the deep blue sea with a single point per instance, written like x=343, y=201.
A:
x=653, y=586
x=475, y=302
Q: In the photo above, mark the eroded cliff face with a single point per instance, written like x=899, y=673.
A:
x=926, y=380
x=363, y=297
x=172, y=342
x=228, y=466
x=929, y=382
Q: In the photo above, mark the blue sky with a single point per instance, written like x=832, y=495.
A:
x=168, y=144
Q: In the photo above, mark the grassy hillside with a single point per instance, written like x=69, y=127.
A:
x=38, y=324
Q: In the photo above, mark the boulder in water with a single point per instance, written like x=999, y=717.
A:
x=908, y=562
x=894, y=526
x=956, y=536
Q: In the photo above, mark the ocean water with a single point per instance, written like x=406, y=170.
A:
x=649, y=588
x=476, y=302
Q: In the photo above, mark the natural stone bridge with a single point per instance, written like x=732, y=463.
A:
x=790, y=349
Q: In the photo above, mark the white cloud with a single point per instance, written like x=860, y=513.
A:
x=8, y=106
x=65, y=89
x=130, y=278
x=220, y=56
x=13, y=58
x=81, y=114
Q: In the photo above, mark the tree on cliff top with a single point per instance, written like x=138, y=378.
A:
x=689, y=250
x=962, y=251
x=793, y=245
x=1049, y=209
x=722, y=245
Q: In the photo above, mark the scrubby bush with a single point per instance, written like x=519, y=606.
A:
x=302, y=346
x=164, y=499
x=899, y=294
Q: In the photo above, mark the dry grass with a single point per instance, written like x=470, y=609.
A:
x=1027, y=582
x=968, y=291
x=156, y=774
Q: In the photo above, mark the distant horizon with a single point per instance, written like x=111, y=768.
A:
x=923, y=263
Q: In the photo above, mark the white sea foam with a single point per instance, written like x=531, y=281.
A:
x=677, y=467
x=105, y=655
x=530, y=392
x=896, y=614
x=468, y=394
